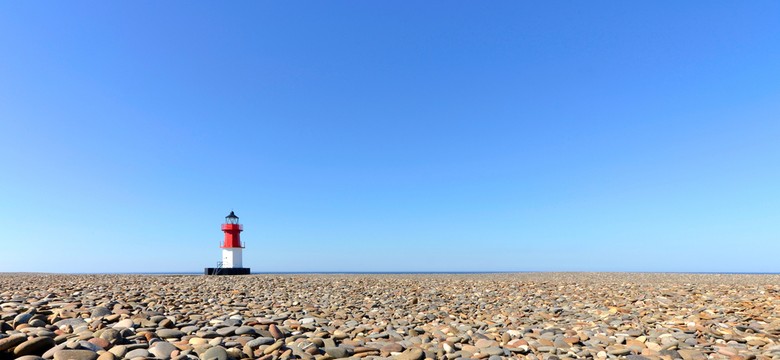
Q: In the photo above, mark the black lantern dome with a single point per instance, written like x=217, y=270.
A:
x=231, y=218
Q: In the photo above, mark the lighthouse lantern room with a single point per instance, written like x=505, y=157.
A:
x=232, y=248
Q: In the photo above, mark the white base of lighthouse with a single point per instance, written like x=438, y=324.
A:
x=231, y=258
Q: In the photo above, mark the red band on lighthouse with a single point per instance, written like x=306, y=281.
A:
x=232, y=235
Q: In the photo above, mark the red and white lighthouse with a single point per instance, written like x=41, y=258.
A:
x=232, y=248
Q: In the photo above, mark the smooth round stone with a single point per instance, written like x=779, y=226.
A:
x=215, y=353
x=89, y=346
x=119, y=351
x=338, y=352
x=260, y=341
x=275, y=332
x=84, y=335
x=12, y=341
x=75, y=355
x=277, y=345
x=190, y=329
x=125, y=324
x=30, y=357
x=169, y=333
x=391, y=348
x=227, y=331
x=107, y=356
x=157, y=318
x=99, y=311
x=493, y=350
x=412, y=354
x=232, y=322
x=197, y=341
x=483, y=343
x=137, y=353
x=244, y=330
x=636, y=357
x=35, y=346
x=50, y=353
x=37, y=323
x=265, y=321
x=162, y=349
x=215, y=341
x=110, y=335
x=208, y=334
x=22, y=318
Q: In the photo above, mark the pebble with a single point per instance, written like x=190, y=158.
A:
x=136, y=353
x=338, y=352
x=260, y=341
x=215, y=353
x=169, y=333
x=245, y=330
x=162, y=349
x=412, y=354
x=34, y=346
x=12, y=341
x=487, y=316
x=30, y=357
x=75, y=355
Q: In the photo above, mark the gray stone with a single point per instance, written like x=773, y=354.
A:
x=22, y=318
x=124, y=324
x=190, y=329
x=75, y=355
x=162, y=349
x=338, y=352
x=169, y=333
x=100, y=311
x=49, y=354
x=111, y=335
x=215, y=353
x=73, y=322
x=37, y=323
x=636, y=357
x=137, y=353
x=260, y=341
x=232, y=322
x=244, y=330
x=207, y=334
x=89, y=346
x=227, y=331
x=492, y=350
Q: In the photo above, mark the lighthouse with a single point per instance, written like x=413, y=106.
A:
x=232, y=248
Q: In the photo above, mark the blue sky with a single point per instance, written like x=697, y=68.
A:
x=391, y=136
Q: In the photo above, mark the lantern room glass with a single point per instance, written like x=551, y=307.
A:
x=231, y=218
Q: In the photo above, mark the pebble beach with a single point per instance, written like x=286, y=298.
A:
x=544, y=316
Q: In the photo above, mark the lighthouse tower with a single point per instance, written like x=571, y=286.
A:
x=232, y=248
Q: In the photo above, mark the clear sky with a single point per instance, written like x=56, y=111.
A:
x=391, y=135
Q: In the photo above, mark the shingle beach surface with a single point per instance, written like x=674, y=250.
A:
x=544, y=316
